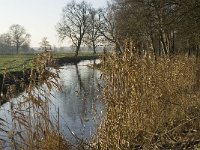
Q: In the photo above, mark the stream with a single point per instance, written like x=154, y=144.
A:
x=79, y=103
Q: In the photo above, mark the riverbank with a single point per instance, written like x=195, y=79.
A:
x=80, y=90
x=19, y=62
x=74, y=60
x=15, y=82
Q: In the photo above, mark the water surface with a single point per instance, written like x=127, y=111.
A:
x=79, y=103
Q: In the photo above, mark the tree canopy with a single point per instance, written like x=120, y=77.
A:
x=19, y=36
x=74, y=23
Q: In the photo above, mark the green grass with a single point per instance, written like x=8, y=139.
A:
x=17, y=62
x=71, y=54
x=14, y=62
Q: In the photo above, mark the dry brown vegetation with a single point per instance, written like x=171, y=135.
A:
x=150, y=103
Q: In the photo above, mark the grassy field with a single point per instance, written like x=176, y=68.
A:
x=14, y=62
x=17, y=62
x=71, y=54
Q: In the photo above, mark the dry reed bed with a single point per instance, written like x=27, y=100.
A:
x=150, y=104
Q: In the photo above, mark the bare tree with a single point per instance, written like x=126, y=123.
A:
x=93, y=38
x=107, y=24
x=74, y=23
x=44, y=45
x=19, y=37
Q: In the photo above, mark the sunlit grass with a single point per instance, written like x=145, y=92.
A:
x=22, y=61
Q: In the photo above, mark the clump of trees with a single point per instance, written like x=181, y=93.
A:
x=166, y=27
x=5, y=42
x=83, y=24
x=163, y=27
x=16, y=39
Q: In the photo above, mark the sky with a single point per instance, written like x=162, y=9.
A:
x=38, y=17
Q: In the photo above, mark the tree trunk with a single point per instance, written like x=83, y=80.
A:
x=173, y=42
x=76, y=52
x=17, y=49
x=153, y=46
x=77, y=49
x=94, y=47
x=163, y=43
x=159, y=46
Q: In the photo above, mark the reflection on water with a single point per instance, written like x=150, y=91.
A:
x=78, y=104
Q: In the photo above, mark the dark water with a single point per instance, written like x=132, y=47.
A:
x=79, y=103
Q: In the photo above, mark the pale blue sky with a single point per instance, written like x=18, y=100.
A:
x=39, y=17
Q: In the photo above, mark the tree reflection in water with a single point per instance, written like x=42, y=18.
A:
x=79, y=103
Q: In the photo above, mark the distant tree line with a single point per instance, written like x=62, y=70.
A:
x=15, y=40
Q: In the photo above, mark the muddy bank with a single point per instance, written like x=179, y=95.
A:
x=74, y=60
x=13, y=83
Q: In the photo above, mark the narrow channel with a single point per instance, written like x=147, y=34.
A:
x=79, y=103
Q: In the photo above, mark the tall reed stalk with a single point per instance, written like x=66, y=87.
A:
x=150, y=103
